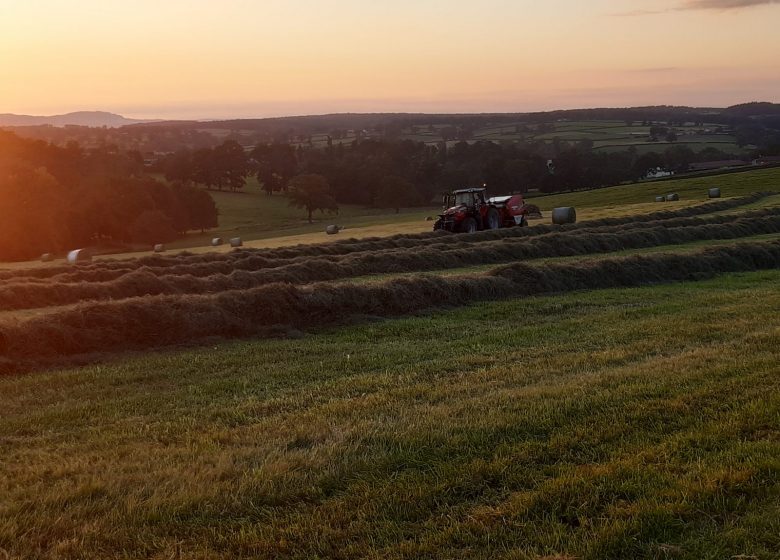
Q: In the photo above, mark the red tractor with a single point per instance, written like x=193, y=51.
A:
x=467, y=211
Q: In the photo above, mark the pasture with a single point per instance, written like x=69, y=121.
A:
x=605, y=135
x=254, y=215
x=608, y=136
x=604, y=389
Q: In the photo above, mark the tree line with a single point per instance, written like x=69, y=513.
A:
x=401, y=173
x=57, y=198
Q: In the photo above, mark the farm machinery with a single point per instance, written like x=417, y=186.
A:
x=468, y=210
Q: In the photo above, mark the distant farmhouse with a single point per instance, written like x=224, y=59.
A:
x=657, y=173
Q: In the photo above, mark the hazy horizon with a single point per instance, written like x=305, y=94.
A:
x=196, y=60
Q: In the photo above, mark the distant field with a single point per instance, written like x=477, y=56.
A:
x=606, y=135
x=609, y=136
x=693, y=189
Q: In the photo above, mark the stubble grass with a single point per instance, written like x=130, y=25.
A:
x=632, y=423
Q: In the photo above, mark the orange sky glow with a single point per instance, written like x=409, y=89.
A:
x=256, y=58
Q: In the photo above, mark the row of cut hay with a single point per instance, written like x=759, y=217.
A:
x=107, y=267
x=159, y=321
x=144, y=283
x=254, y=262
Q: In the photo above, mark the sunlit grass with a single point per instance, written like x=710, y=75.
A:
x=635, y=423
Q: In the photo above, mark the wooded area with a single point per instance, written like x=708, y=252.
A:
x=54, y=198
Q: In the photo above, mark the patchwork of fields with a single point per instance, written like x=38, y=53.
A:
x=606, y=389
x=605, y=135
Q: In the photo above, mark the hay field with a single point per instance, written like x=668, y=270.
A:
x=605, y=389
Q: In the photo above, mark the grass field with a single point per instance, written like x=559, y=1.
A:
x=635, y=423
x=255, y=215
x=494, y=410
x=732, y=184
x=606, y=135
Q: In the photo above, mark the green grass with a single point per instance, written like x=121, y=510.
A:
x=731, y=184
x=253, y=214
x=635, y=423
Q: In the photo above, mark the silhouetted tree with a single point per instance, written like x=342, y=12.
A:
x=311, y=192
x=275, y=165
x=230, y=165
x=179, y=167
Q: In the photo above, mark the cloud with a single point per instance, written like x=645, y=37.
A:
x=724, y=4
x=700, y=5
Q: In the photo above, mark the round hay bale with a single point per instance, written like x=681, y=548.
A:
x=78, y=256
x=672, y=196
x=236, y=242
x=47, y=257
x=332, y=229
x=564, y=215
x=660, y=198
x=714, y=192
x=159, y=248
x=216, y=242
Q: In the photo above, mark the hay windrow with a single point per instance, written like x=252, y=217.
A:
x=143, y=282
x=211, y=264
x=164, y=320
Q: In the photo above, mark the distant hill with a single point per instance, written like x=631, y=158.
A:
x=756, y=108
x=79, y=118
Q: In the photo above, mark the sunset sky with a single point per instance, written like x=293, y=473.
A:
x=254, y=58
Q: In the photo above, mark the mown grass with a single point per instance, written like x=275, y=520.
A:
x=692, y=189
x=678, y=249
x=253, y=214
x=634, y=423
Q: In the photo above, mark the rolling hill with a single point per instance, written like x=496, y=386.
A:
x=78, y=118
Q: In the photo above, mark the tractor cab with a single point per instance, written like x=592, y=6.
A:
x=469, y=198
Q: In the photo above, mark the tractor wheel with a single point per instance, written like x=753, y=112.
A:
x=469, y=225
x=493, y=219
